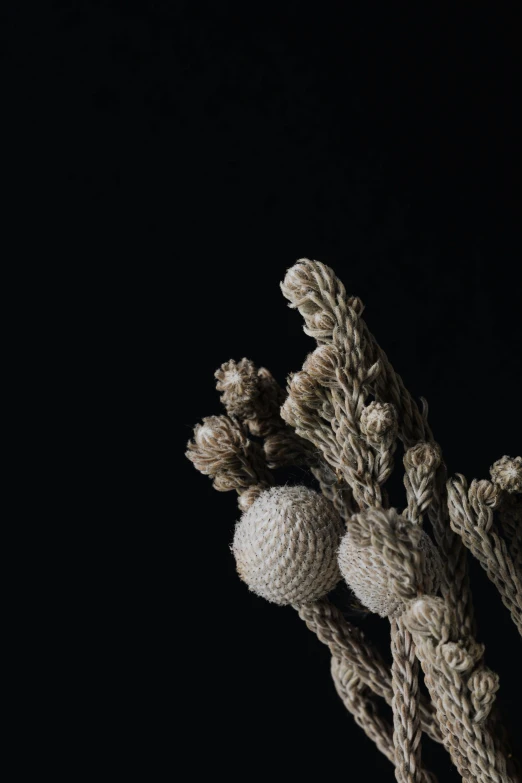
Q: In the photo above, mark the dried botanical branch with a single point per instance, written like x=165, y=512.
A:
x=461, y=688
x=340, y=419
x=506, y=474
x=222, y=450
x=362, y=704
x=471, y=513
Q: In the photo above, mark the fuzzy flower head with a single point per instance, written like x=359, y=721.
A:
x=285, y=545
x=216, y=445
x=507, y=474
x=387, y=561
x=239, y=383
x=424, y=457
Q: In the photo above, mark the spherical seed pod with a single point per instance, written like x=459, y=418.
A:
x=285, y=546
x=386, y=560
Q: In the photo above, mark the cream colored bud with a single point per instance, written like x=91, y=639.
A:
x=322, y=365
x=507, y=474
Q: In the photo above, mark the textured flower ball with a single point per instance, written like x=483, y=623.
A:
x=386, y=560
x=285, y=546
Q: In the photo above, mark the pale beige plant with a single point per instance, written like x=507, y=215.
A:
x=341, y=418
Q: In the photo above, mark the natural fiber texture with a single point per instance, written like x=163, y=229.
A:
x=329, y=314
x=455, y=585
x=381, y=556
x=509, y=517
x=461, y=687
x=420, y=469
x=405, y=705
x=254, y=397
x=285, y=545
x=362, y=704
x=420, y=465
x=386, y=560
x=340, y=419
x=221, y=450
x=471, y=513
x=506, y=473
x=348, y=643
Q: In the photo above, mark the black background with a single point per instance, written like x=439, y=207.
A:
x=200, y=149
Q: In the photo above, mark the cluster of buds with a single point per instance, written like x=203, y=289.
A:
x=251, y=395
x=341, y=417
x=222, y=450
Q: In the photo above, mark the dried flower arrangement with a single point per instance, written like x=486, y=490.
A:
x=341, y=418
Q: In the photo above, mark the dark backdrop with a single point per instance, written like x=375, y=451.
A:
x=199, y=149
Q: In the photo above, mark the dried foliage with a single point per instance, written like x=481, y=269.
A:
x=341, y=417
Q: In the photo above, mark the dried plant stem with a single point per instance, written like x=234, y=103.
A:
x=461, y=689
x=510, y=521
x=455, y=585
x=471, y=514
x=405, y=704
x=361, y=702
x=340, y=419
x=348, y=643
x=363, y=705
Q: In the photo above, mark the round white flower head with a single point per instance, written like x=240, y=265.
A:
x=387, y=561
x=286, y=544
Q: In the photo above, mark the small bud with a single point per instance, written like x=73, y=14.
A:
x=428, y=616
x=290, y=412
x=305, y=390
x=299, y=282
x=484, y=492
x=483, y=685
x=461, y=657
x=379, y=421
x=322, y=365
x=217, y=442
x=506, y=473
x=320, y=325
x=239, y=383
x=248, y=497
x=423, y=457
